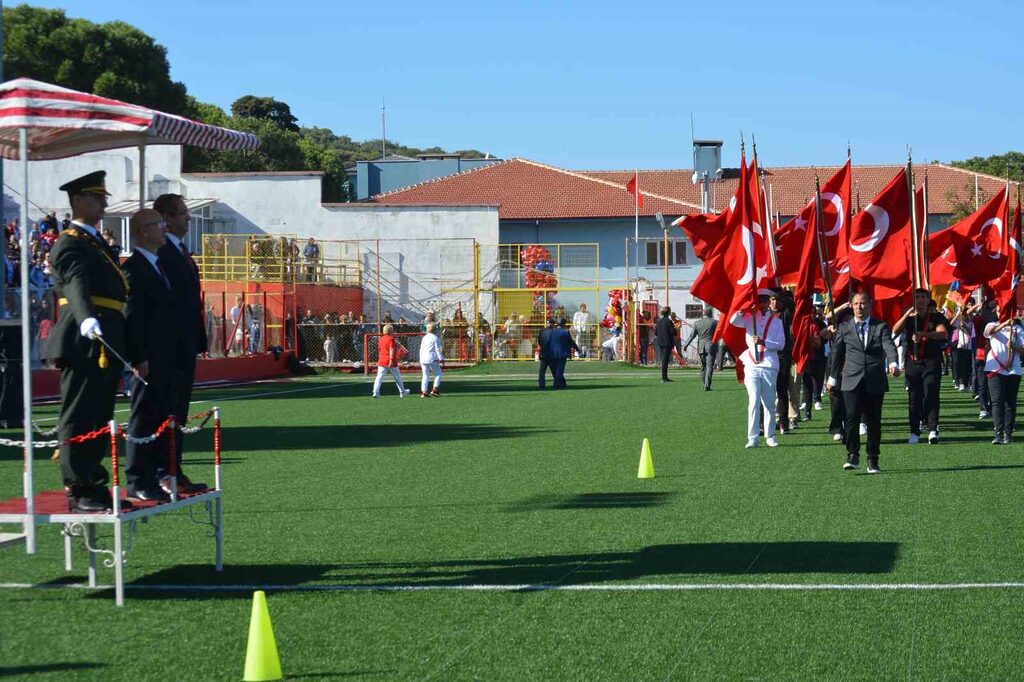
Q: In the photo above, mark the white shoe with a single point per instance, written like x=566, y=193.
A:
x=803, y=406
x=751, y=443
x=837, y=437
x=405, y=392
x=819, y=406
x=771, y=442
x=984, y=414
x=914, y=439
x=863, y=429
x=933, y=437
x=376, y=395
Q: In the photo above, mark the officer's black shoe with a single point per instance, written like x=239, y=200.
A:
x=89, y=500
x=153, y=494
x=852, y=462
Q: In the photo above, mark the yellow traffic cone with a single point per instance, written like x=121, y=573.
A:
x=646, y=469
x=261, y=661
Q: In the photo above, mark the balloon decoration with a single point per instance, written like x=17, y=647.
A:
x=613, y=313
x=540, y=269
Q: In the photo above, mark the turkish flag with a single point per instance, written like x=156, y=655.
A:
x=704, y=230
x=879, y=245
x=633, y=187
x=975, y=249
x=835, y=204
x=1005, y=287
x=733, y=271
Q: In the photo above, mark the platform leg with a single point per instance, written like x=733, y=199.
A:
x=119, y=563
x=67, y=550
x=90, y=536
x=219, y=516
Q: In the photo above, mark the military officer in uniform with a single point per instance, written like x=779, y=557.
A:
x=92, y=290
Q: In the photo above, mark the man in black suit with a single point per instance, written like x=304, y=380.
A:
x=187, y=293
x=154, y=341
x=546, y=354
x=562, y=346
x=665, y=341
x=861, y=351
x=92, y=290
x=707, y=349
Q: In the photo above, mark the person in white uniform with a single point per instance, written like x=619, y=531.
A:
x=430, y=361
x=764, y=337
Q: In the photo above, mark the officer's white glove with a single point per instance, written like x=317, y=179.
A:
x=90, y=328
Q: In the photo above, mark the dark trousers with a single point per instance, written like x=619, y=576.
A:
x=644, y=346
x=1004, y=389
x=664, y=355
x=924, y=378
x=869, y=405
x=981, y=386
x=151, y=405
x=813, y=377
x=837, y=407
x=707, y=365
x=558, y=367
x=545, y=364
x=87, y=404
x=962, y=366
x=182, y=377
x=782, y=390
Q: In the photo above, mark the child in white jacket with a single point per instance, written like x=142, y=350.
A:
x=430, y=361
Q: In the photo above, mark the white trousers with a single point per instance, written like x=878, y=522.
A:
x=428, y=369
x=381, y=371
x=760, y=383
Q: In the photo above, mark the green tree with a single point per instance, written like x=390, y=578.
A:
x=265, y=108
x=999, y=165
x=113, y=59
x=962, y=200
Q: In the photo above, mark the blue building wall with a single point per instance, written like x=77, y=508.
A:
x=610, y=234
x=378, y=177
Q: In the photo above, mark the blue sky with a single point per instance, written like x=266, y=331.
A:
x=591, y=85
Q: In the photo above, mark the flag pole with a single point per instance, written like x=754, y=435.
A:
x=915, y=257
x=634, y=333
x=849, y=228
x=765, y=224
x=819, y=239
x=926, y=254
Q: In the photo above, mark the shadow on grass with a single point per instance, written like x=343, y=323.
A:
x=8, y=670
x=940, y=470
x=658, y=561
x=592, y=501
x=318, y=437
x=354, y=673
x=521, y=386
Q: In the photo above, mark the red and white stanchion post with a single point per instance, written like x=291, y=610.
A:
x=219, y=565
x=172, y=457
x=118, y=528
x=115, y=491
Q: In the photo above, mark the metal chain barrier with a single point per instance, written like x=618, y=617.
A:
x=205, y=416
x=44, y=432
x=142, y=440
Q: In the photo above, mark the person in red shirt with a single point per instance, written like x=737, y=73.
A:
x=388, y=353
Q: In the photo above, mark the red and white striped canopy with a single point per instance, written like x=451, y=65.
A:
x=63, y=122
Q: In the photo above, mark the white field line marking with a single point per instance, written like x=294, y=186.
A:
x=527, y=587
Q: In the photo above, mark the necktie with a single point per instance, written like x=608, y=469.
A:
x=163, y=274
x=863, y=331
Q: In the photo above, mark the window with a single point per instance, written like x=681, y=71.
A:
x=694, y=311
x=508, y=256
x=676, y=250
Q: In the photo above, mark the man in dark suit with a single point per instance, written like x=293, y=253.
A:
x=861, y=352
x=92, y=290
x=707, y=349
x=562, y=347
x=186, y=291
x=664, y=341
x=154, y=341
x=546, y=353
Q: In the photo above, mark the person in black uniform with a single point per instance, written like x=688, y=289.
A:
x=153, y=341
x=187, y=294
x=924, y=336
x=665, y=341
x=784, y=311
x=546, y=354
x=92, y=291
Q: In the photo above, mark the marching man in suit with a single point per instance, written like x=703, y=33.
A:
x=92, y=291
x=707, y=349
x=153, y=345
x=861, y=351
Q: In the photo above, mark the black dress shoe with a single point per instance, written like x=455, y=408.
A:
x=88, y=501
x=186, y=484
x=154, y=494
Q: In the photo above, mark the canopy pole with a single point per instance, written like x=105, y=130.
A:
x=26, y=349
x=142, y=174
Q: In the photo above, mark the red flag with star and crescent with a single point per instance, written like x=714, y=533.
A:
x=879, y=241
x=733, y=271
x=1005, y=287
x=974, y=250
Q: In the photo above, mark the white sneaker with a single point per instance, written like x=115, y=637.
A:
x=933, y=437
x=803, y=406
x=837, y=437
x=863, y=429
x=771, y=442
x=818, y=405
x=751, y=443
x=914, y=439
x=984, y=414
x=405, y=392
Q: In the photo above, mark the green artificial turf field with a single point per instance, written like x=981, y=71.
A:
x=498, y=485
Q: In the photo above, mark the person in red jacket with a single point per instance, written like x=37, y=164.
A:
x=388, y=353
